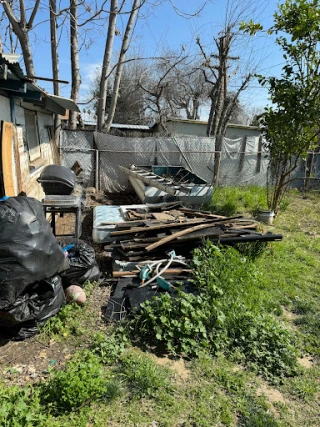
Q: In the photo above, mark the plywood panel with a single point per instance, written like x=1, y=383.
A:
x=7, y=158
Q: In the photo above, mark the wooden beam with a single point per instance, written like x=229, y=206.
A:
x=173, y=271
x=178, y=234
x=174, y=224
x=47, y=79
x=134, y=230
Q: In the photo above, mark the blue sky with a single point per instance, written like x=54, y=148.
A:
x=160, y=27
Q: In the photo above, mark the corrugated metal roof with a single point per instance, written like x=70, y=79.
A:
x=132, y=127
x=14, y=67
x=204, y=122
x=65, y=103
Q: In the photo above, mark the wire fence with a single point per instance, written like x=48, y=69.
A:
x=242, y=161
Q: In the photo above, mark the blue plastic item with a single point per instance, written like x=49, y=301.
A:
x=164, y=284
x=144, y=273
x=68, y=247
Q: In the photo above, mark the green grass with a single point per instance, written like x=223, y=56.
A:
x=231, y=200
x=116, y=384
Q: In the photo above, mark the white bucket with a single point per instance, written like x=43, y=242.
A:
x=266, y=216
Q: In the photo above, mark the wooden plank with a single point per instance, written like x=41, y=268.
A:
x=173, y=271
x=175, y=235
x=215, y=231
x=205, y=214
x=134, y=230
x=157, y=227
x=7, y=158
x=162, y=216
x=17, y=156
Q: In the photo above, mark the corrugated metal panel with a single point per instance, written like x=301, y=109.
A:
x=132, y=127
x=203, y=122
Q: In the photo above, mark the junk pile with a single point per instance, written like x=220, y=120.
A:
x=144, y=249
x=160, y=183
x=33, y=268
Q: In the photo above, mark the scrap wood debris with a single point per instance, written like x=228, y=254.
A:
x=148, y=234
x=151, y=250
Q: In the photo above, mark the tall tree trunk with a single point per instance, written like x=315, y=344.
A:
x=21, y=28
x=120, y=65
x=106, y=64
x=27, y=54
x=55, y=65
x=75, y=67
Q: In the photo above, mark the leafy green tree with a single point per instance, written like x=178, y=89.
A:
x=292, y=122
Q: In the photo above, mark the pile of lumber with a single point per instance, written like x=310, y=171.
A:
x=148, y=235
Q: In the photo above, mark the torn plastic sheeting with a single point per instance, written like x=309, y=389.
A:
x=29, y=252
x=83, y=266
x=40, y=301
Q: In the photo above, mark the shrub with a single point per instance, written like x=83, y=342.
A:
x=180, y=323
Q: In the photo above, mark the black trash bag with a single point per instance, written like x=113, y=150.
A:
x=37, y=304
x=29, y=252
x=82, y=261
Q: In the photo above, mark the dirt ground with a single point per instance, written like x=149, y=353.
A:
x=29, y=361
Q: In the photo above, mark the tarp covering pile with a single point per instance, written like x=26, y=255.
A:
x=30, y=259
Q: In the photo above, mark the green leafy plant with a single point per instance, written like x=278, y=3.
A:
x=109, y=347
x=267, y=345
x=180, y=323
x=20, y=407
x=226, y=315
x=82, y=380
x=67, y=321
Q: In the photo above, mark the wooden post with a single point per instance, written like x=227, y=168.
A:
x=259, y=154
x=243, y=152
x=217, y=169
x=97, y=180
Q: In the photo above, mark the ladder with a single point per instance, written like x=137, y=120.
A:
x=150, y=178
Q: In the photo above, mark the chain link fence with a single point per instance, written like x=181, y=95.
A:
x=242, y=160
x=78, y=147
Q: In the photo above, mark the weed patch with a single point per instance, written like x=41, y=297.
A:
x=21, y=407
x=304, y=386
x=257, y=414
x=144, y=377
x=82, y=381
x=231, y=200
x=66, y=322
x=227, y=315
